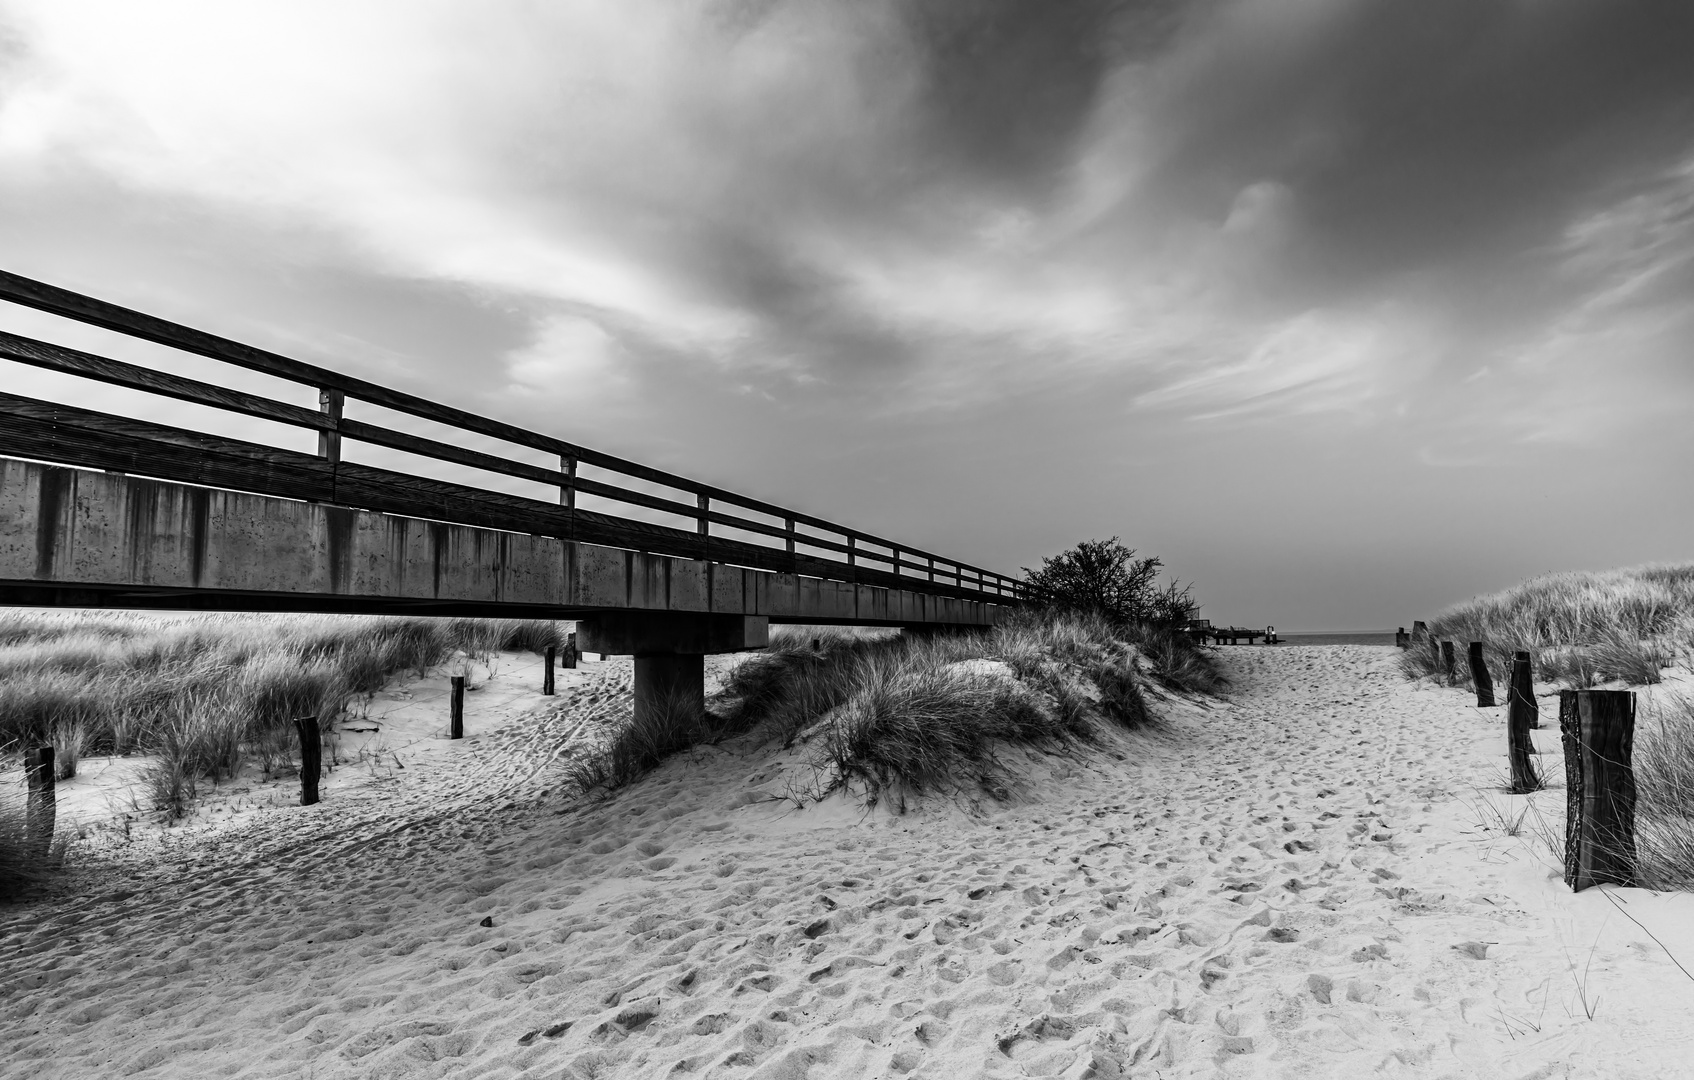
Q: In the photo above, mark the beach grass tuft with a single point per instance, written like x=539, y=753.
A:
x=893, y=711
x=1664, y=780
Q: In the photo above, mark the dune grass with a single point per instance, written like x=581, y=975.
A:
x=918, y=714
x=1584, y=629
x=1581, y=629
x=207, y=693
x=22, y=870
x=1664, y=784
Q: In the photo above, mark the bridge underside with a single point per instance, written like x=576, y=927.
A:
x=79, y=538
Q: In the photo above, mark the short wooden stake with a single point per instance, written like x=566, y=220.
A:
x=1480, y=678
x=1598, y=731
x=1419, y=630
x=1520, y=718
x=311, y=758
x=547, y=671
x=1401, y=640
x=1448, y=664
x=43, y=811
x=456, y=726
x=569, y=659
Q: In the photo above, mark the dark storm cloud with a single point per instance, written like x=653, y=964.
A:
x=893, y=231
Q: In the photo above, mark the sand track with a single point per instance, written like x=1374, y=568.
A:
x=1294, y=883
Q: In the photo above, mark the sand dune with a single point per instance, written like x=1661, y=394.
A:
x=1296, y=882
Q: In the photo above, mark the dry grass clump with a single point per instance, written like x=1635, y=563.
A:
x=912, y=713
x=22, y=870
x=1582, y=629
x=208, y=692
x=1664, y=785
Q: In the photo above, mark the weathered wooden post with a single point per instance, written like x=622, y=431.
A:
x=1598, y=731
x=1401, y=641
x=1419, y=630
x=456, y=725
x=548, y=659
x=1480, y=678
x=311, y=757
x=569, y=659
x=1448, y=664
x=43, y=811
x=1520, y=718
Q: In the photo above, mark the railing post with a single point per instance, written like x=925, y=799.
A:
x=704, y=525
x=932, y=568
x=894, y=561
x=1598, y=731
x=331, y=403
x=567, y=484
x=793, y=560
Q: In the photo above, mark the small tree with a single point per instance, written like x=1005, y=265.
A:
x=1105, y=578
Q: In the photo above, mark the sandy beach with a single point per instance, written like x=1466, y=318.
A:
x=1307, y=878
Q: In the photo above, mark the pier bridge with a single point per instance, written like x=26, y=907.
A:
x=407, y=506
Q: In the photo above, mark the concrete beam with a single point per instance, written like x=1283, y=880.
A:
x=87, y=538
x=663, y=633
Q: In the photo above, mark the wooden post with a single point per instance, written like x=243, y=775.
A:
x=331, y=403
x=570, y=651
x=456, y=724
x=1419, y=630
x=1401, y=641
x=704, y=524
x=1598, y=731
x=567, y=489
x=794, y=560
x=43, y=810
x=932, y=568
x=547, y=670
x=311, y=758
x=1520, y=717
x=1480, y=678
x=1448, y=664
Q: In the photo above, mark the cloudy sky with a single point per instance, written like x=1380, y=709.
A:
x=1348, y=310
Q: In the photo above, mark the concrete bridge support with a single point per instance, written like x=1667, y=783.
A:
x=670, y=651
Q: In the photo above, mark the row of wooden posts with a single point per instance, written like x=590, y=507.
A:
x=1597, y=731
x=38, y=761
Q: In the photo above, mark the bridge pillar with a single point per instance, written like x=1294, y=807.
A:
x=670, y=650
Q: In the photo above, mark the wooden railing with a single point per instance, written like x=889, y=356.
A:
x=48, y=431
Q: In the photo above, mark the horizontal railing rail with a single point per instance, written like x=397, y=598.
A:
x=65, y=434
